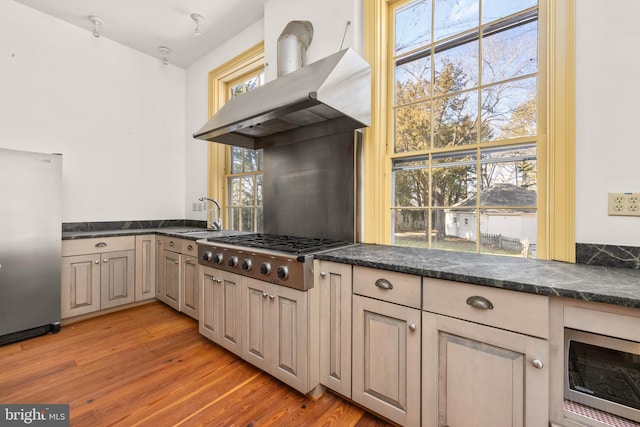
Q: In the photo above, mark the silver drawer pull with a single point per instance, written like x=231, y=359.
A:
x=412, y=326
x=101, y=245
x=480, y=302
x=190, y=247
x=384, y=284
x=537, y=363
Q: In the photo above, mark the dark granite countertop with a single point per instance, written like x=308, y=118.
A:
x=190, y=233
x=619, y=286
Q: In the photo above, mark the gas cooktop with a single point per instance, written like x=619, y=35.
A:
x=287, y=244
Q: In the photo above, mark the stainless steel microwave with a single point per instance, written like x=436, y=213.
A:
x=603, y=373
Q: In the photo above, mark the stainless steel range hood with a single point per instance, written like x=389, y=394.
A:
x=330, y=96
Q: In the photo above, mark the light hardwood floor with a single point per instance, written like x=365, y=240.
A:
x=149, y=366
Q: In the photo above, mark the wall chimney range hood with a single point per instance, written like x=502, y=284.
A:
x=329, y=96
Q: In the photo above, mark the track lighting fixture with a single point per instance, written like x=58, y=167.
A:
x=164, y=51
x=97, y=22
x=198, y=19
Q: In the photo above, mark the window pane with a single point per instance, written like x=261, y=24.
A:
x=509, y=176
x=508, y=232
x=251, y=84
x=411, y=187
x=456, y=120
x=413, y=127
x=460, y=230
x=234, y=191
x=456, y=69
x=412, y=80
x=413, y=26
x=454, y=180
x=236, y=160
x=250, y=160
x=410, y=227
x=455, y=16
x=496, y=9
x=234, y=218
x=259, y=190
x=509, y=54
x=509, y=110
x=247, y=191
x=247, y=219
x=259, y=221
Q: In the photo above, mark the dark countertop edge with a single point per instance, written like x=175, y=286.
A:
x=583, y=295
x=178, y=232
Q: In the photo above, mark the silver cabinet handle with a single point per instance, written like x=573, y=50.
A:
x=171, y=243
x=537, y=363
x=176, y=262
x=412, y=326
x=272, y=297
x=264, y=294
x=190, y=247
x=97, y=261
x=323, y=274
x=480, y=302
x=101, y=245
x=188, y=259
x=159, y=242
x=105, y=260
x=384, y=284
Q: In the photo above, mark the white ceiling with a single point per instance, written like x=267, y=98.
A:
x=147, y=24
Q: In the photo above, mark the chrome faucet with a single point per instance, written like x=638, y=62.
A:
x=214, y=224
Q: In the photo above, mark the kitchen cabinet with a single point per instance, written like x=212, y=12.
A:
x=145, y=283
x=486, y=362
x=220, y=308
x=97, y=274
x=275, y=331
x=335, y=288
x=178, y=280
x=386, y=344
x=189, y=280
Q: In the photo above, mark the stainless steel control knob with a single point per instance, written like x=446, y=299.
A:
x=283, y=272
x=218, y=258
x=246, y=265
x=265, y=268
x=233, y=261
x=207, y=256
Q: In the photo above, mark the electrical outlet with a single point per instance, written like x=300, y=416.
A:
x=624, y=204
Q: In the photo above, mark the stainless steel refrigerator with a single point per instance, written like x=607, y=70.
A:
x=30, y=244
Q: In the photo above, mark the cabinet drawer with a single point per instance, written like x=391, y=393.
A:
x=172, y=244
x=511, y=310
x=97, y=245
x=189, y=247
x=398, y=288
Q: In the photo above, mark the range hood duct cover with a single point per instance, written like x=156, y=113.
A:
x=329, y=96
x=292, y=46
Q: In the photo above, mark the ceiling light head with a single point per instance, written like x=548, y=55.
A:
x=198, y=19
x=164, y=51
x=97, y=22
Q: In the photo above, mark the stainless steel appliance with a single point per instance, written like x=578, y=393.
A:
x=283, y=260
x=30, y=244
x=603, y=372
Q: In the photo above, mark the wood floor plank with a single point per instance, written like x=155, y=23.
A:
x=149, y=366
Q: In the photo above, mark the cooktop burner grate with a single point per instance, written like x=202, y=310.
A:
x=274, y=242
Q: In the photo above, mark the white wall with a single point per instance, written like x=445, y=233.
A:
x=115, y=114
x=197, y=112
x=607, y=113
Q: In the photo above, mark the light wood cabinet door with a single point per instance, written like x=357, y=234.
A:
x=145, y=284
x=386, y=359
x=482, y=376
x=274, y=332
x=80, y=285
x=189, y=286
x=220, y=308
x=169, y=286
x=334, y=281
x=117, y=278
